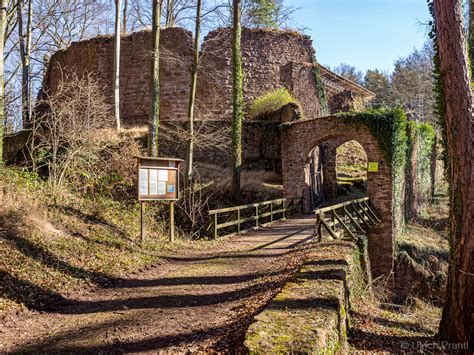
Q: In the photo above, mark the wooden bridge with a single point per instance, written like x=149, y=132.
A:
x=350, y=219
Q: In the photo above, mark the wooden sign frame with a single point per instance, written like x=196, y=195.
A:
x=161, y=176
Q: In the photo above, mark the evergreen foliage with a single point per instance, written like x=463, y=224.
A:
x=262, y=14
x=421, y=137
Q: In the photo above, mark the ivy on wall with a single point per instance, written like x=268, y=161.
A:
x=320, y=87
x=421, y=141
x=389, y=127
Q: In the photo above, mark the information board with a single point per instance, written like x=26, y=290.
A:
x=158, y=179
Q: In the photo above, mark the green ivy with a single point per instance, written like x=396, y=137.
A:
x=320, y=87
x=389, y=127
x=421, y=138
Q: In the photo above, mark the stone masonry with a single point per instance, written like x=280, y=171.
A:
x=271, y=60
x=302, y=137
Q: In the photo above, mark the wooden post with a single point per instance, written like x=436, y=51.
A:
x=215, y=225
x=172, y=221
x=256, y=216
x=142, y=221
x=238, y=223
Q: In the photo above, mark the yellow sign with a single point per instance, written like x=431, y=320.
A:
x=373, y=167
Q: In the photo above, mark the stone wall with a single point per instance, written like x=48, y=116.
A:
x=96, y=56
x=260, y=148
x=14, y=147
x=300, y=139
x=271, y=59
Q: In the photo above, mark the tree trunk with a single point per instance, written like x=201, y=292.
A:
x=155, y=82
x=3, y=20
x=118, y=8
x=192, y=96
x=125, y=10
x=471, y=34
x=237, y=99
x=25, y=55
x=170, y=20
x=458, y=313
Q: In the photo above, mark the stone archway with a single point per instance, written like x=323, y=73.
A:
x=299, y=139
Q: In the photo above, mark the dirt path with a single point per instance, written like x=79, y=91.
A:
x=197, y=302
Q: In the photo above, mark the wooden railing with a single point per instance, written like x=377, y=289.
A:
x=240, y=218
x=352, y=217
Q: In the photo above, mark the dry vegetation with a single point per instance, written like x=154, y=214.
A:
x=52, y=244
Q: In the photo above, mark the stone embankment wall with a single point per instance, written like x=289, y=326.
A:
x=312, y=313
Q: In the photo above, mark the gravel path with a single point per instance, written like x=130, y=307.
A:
x=188, y=303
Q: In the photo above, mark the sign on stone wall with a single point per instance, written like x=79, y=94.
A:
x=373, y=167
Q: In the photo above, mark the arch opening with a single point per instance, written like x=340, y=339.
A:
x=309, y=150
x=351, y=170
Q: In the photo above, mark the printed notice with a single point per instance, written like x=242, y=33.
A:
x=162, y=175
x=161, y=188
x=171, y=189
x=153, y=182
x=143, y=182
x=172, y=164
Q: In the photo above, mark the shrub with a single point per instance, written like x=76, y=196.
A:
x=69, y=134
x=271, y=102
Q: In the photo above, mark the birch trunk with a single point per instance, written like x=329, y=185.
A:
x=155, y=82
x=25, y=55
x=192, y=95
x=118, y=8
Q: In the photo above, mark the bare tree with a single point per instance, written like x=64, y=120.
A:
x=118, y=9
x=458, y=313
x=154, y=123
x=170, y=16
x=237, y=99
x=192, y=95
x=125, y=11
x=25, y=54
x=3, y=22
x=68, y=132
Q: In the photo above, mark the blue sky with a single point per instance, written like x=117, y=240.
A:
x=365, y=33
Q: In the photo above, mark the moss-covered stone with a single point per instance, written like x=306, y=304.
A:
x=310, y=314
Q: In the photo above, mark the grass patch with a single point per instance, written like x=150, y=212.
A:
x=55, y=244
x=271, y=102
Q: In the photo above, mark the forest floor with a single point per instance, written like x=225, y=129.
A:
x=204, y=302
x=199, y=301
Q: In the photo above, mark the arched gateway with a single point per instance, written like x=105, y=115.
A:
x=299, y=139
